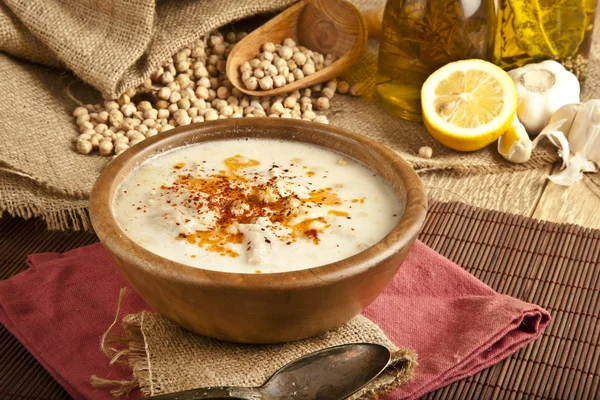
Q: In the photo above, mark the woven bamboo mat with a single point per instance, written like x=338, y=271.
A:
x=555, y=266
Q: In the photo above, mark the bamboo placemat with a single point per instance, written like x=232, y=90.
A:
x=555, y=266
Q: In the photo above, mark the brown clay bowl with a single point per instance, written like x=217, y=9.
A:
x=262, y=308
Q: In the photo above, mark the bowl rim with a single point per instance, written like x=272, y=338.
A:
x=118, y=243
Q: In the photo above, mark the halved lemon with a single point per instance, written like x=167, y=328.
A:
x=468, y=104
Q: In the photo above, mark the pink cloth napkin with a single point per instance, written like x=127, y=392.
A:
x=63, y=303
x=456, y=323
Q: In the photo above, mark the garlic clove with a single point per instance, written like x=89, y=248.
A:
x=557, y=138
x=578, y=134
x=568, y=113
x=570, y=175
x=584, y=136
x=534, y=106
x=592, y=150
x=515, y=145
x=575, y=130
x=573, y=165
x=588, y=142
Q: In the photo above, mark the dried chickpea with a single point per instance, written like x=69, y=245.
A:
x=357, y=89
x=106, y=147
x=425, y=152
x=84, y=147
x=343, y=87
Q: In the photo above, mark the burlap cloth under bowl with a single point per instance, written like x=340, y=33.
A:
x=115, y=44
x=166, y=358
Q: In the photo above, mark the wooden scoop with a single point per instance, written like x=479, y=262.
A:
x=327, y=26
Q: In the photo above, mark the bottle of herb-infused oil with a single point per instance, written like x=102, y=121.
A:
x=530, y=31
x=419, y=37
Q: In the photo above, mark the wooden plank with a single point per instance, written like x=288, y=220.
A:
x=577, y=204
x=516, y=192
x=527, y=193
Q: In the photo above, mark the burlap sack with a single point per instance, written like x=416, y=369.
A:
x=113, y=44
x=166, y=358
x=40, y=172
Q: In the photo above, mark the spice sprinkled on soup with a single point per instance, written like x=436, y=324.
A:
x=255, y=206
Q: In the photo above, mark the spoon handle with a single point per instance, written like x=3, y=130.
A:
x=222, y=392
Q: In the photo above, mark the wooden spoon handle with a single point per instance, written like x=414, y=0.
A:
x=373, y=18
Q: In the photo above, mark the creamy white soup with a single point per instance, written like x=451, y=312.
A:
x=255, y=206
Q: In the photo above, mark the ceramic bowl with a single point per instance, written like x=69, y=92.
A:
x=262, y=308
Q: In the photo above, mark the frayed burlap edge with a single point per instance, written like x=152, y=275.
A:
x=23, y=197
x=131, y=349
x=70, y=219
x=400, y=371
x=135, y=355
x=128, y=349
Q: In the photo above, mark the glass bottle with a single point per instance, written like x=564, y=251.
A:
x=420, y=36
x=529, y=31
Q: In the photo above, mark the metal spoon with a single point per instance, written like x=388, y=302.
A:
x=330, y=374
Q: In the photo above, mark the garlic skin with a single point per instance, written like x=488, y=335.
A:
x=575, y=130
x=541, y=90
x=514, y=145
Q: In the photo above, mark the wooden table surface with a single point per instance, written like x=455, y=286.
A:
x=528, y=193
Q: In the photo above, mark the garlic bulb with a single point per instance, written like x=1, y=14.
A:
x=541, y=90
x=575, y=130
x=515, y=145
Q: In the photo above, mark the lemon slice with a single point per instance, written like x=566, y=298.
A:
x=468, y=104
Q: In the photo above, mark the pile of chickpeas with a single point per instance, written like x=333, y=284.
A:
x=278, y=65
x=193, y=87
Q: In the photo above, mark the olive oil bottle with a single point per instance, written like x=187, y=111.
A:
x=420, y=36
x=527, y=31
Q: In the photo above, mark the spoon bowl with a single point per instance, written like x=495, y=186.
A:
x=327, y=26
x=333, y=373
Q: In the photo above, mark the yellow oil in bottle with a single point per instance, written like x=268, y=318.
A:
x=528, y=31
x=420, y=36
